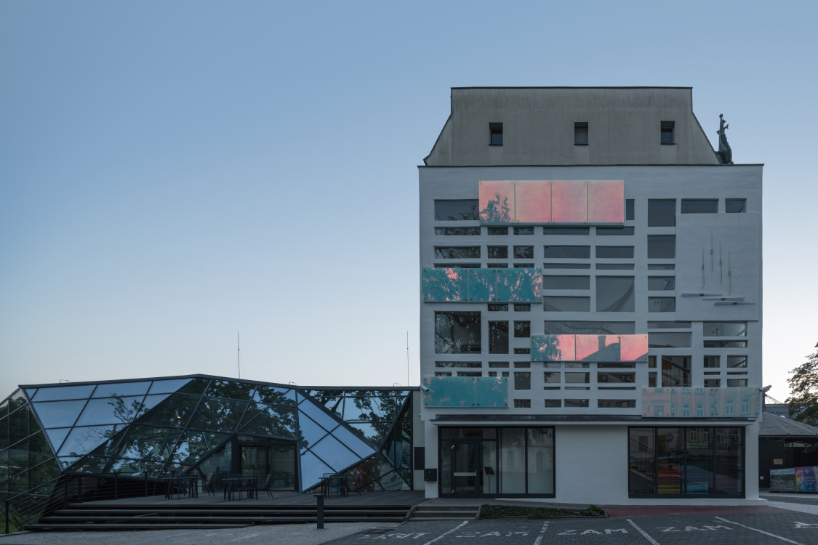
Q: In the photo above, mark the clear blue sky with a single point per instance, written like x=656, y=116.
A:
x=174, y=172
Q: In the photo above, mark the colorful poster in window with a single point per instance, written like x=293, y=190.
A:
x=806, y=479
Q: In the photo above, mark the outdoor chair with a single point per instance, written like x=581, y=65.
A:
x=267, y=485
x=247, y=485
x=207, y=484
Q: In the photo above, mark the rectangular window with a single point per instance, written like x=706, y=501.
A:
x=662, y=266
x=457, y=252
x=522, y=403
x=442, y=374
x=577, y=378
x=670, y=340
x=615, y=378
x=522, y=308
x=469, y=374
x=498, y=364
x=522, y=380
x=552, y=377
x=522, y=351
x=661, y=304
x=616, y=366
x=576, y=403
x=614, y=266
x=495, y=134
x=652, y=380
x=492, y=373
x=524, y=252
x=498, y=307
x=553, y=403
x=712, y=383
x=661, y=247
x=735, y=206
x=566, y=265
x=498, y=337
x=567, y=252
x=736, y=361
x=471, y=364
x=457, y=210
x=667, y=132
x=498, y=231
x=522, y=329
x=457, y=265
x=661, y=283
x=523, y=230
x=497, y=265
x=498, y=252
x=457, y=231
x=590, y=328
x=562, y=231
x=566, y=304
x=736, y=382
x=676, y=371
x=629, y=210
x=725, y=329
x=614, y=231
x=651, y=362
x=614, y=252
x=725, y=344
x=712, y=362
x=566, y=282
x=523, y=265
x=577, y=365
x=700, y=206
x=661, y=212
x=669, y=325
x=457, y=333
x=615, y=294
x=581, y=134
x=616, y=403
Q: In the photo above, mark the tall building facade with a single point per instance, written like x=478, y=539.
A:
x=591, y=300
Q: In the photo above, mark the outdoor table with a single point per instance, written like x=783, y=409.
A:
x=231, y=483
x=186, y=482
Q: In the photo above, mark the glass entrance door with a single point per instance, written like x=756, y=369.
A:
x=465, y=468
x=277, y=460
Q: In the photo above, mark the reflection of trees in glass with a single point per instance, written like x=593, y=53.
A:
x=270, y=421
x=380, y=410
x=457, y=333
x=496, y=211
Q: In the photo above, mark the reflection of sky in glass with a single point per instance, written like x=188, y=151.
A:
x=334, y=453
x=312, y=470
x=569, y=201
x=606, y=201
x=57, y=415
x=634, y=347
x=348, y=438
x=597, y=347
x=64, y=392
x=122, y=389
x=168, y=386
x=533, y=201
x=57, y=437
x=110, y=411
x=84, y=440
x=497, y=202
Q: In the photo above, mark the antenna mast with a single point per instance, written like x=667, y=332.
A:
x=407, y=359
x=238, y=353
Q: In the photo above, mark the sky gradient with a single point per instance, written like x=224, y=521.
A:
x=172, y=173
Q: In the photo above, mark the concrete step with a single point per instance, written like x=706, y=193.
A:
x=107, y=527
x=223, y=512
x=443, y=512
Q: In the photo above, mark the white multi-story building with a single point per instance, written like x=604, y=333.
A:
x=591, y=301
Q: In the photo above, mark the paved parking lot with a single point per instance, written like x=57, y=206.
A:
x=740, y=529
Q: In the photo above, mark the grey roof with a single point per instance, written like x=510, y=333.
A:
x=777, y=426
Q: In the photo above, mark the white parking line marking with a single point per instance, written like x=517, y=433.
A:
x=760, y=531
x=465, y=522
x=644, y=533
x=542, y=533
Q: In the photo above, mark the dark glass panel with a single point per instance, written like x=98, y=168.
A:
x=64, y=392
x=614, y=252
x=614, y=231
x=566, y=265
x=457, y=231
x=661, y=247
x=456, y=210
x=498, y=337
x=566, y=282
x=271, y=421
x=661, y=267
x=218, y=414
x=524, y=252
x=616, y=403
x=457, y=333
x=581, y=134
x=174, y=411
x=670, y=460
x=117, y=410
x=670, y=340
x=498, y=252
x=122, y=389
x=58, y=414
x=700, y=206
x=629, y=210
x=522, y=380
x=540, y=456
x=498, y=231
x=661, y=283
x=725, y=329
x=496, y=307
x=195, y=443
x=271, y=395
x=614, y=266
x=567, y=252
x=18, y=458
x=168, y=386
x=81, y=441
x=152, y=401
x=668, y=325
x=43, y=473
x=522, y=329
x=457, y=252
x=458, y=265
x=4, y=433
x=497, y=266
x=736, y=361
x=699, y=475
x=676, y=371
x=18, y=484
x=661, y=212
x=729, y=463
x=565, y=230
x=735, y=206
x=615, y=294
x=567, y=304
x=367, y=430
x=641, y=460
x=219, y=462
x=230, y=389
x=616, y=378
x=712, y=362
x=38, y=449
x=523, y=230
x=4, y=409
x=725, y=344
x=196, y=386
x=148, y=443
x=19, y=425
x=577, y=378
x=661, y=304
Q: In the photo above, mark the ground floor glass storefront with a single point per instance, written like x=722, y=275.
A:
x=489, y=461
x=686, y=462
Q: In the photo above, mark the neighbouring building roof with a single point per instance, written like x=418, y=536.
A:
x=773, y=425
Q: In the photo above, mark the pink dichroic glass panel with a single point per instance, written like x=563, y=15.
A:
x=569, y=201
x=533, y=201
x=497, y=202
x=606, y=201
x=599, y=348
x=634, y=347
x=565, y=348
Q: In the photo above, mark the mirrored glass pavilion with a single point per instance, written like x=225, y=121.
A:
x=206, y=424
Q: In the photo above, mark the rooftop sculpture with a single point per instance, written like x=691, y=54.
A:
x=725, y=153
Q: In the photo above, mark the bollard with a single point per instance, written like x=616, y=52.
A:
x=7, y=516
x=319, y=511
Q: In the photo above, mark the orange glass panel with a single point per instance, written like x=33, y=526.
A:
x=533, y=201
x=569, y=201
x=606, y=201
x=497, y=202
x=599, y=348
x=634, y=347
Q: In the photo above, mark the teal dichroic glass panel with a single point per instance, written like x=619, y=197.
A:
x=465, y=392
x=445, y=285
x=523, y=285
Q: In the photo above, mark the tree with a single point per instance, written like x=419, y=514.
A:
x=803, y=403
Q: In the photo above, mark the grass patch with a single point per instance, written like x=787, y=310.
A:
x=488, y=511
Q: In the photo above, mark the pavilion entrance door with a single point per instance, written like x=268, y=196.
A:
x=276, y=459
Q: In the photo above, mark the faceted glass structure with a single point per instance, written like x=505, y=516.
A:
x=205, y=424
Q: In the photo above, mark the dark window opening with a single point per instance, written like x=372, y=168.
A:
x=498, y=231
x=629, y=211
x=735, y=206
x=457, y=333
x=498, y=252
x=522, y=329
x=498, y=266
x=661, y=247
x=581, y=134
x=661, y=212
x=523, y=252
x=498, y=337
x=496, y=134
x=456, y=210
x=700, y=206
x=667, y=132
x=523, y=230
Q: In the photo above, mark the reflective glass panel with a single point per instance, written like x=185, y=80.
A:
x=312, y=470
x=456, y=210
x=273, y=421
x=566, y=282
x=55, y=393
x=661, y=247
x=353, y=442
x=606, y=201
x=725, y=329
x=83, y=440
x=614, y=266
x=533, y=202
x=498, y=337
x=311, y=410
x=496, y=202
x=457, y=231
x=676, y=371
x=735, y=206
x=668, y=325
x=168, y=386
x=512, y=461
x=736, y=361
x=566, y=304
x=661, y=283
x=174, y=411
x=272, y=395
x=614, y=231
x=57, y=436
x=629, y=210
x=122, y=389
x=331, y=451
x=566, y=265
x=58, y=415
x=540, y=460
x=218, y=414
x=615, y=294
x=661, y=212
x=699, y=474
x=661, y=304
x=193, y=444
x=670, y=460
x=567, y=252
x=670, y=340
x=117, y=410
x=148, y=443
x=566, y=230
x=700, y=206
x=569, y=201
x=457, y=332
x=230, y=389
x=729, y=462
x=614, y=252
x=641, y=459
